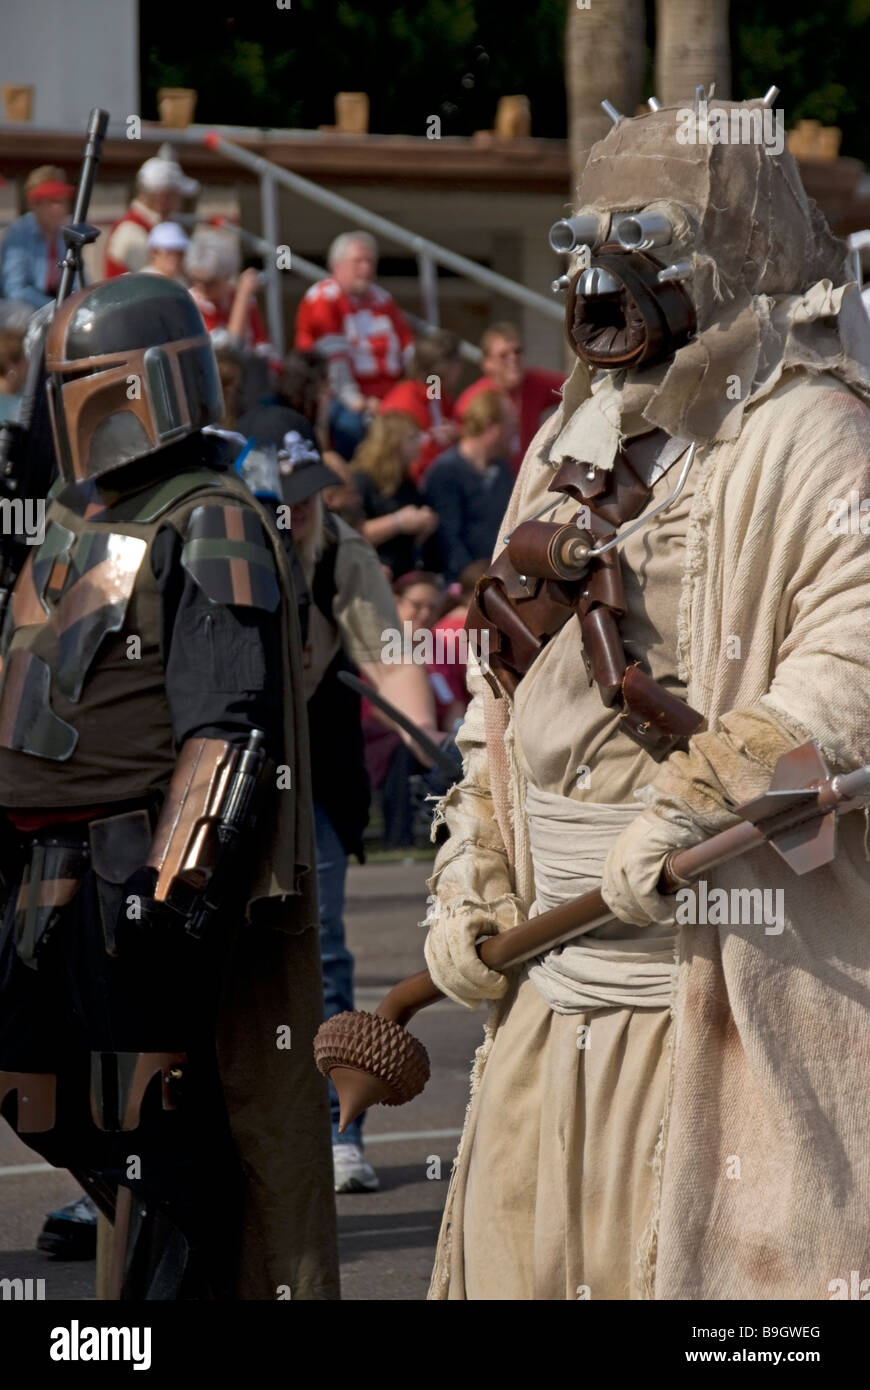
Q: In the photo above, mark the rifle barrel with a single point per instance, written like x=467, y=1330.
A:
x=97, y=125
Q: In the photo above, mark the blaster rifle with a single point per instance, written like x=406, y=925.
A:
x=235, y=820
x=22, y=468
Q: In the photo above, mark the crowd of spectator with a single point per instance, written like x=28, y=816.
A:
x=419, y=470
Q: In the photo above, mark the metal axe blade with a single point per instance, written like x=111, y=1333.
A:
x=795, y=783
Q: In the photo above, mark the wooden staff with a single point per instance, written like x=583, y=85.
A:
x=371, y=1058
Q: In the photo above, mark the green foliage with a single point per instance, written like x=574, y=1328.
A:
x=268, y=67
x=815, y=54
x=262, y=66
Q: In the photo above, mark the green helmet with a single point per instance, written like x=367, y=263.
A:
x=130, y=370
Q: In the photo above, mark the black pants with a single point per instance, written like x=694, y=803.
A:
x=159, y=994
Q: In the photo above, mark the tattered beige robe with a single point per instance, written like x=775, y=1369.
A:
x=772, y=1031
x=762, y=1173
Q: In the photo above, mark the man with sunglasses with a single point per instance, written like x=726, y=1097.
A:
x=532, y=391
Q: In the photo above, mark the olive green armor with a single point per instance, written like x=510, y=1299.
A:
x=84, y=718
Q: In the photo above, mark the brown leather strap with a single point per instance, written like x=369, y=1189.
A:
x=36, y=1099
x=120, y=1237
x=653, y=718
x=521, y=609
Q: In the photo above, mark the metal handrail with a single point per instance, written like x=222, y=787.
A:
x=373, y=222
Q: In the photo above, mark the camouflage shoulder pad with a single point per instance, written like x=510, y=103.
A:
x=228, y=554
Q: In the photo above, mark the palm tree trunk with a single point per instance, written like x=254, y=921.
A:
x=605, y=56
x=692, y=49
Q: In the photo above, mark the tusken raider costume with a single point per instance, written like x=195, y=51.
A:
x=159, y=971
x=670, y=1107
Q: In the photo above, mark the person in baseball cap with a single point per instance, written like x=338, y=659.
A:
x=287, y=436
x=161, y=187
x=33, y=247
x=46, y=184
x=167, y=243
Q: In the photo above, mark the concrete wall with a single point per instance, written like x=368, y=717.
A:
x=76, y=53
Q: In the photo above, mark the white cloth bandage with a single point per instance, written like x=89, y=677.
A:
x=570, y=841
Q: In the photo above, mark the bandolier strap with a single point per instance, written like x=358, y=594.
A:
x=521, y=609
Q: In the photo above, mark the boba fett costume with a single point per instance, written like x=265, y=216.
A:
x=159, y=972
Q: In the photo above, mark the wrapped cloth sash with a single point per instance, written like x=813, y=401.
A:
x=570, y=841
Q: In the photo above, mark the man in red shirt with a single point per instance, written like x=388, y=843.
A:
x=533, y=391
x=427, y=395
x=360, y=330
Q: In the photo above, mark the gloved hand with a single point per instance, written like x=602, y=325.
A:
x=453, y=962
x=138, y=913
x=632, y=869
x=690, y=799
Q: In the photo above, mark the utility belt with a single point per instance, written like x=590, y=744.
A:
x=182, y=865
x=53, y=862
x=547, y=574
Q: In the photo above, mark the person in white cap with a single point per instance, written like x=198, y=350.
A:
x=161, y=184
x=167, y=244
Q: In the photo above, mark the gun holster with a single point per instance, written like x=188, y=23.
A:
x=53, y=871
x=119, y=846
x=546, y=575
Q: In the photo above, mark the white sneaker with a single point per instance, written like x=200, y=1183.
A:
x=352, y=1172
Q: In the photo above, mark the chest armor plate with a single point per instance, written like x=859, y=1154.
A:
x=83, y=711
x=71, y=594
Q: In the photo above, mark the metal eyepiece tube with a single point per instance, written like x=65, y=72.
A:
x=569, y=233
x=641, y=230
x=680, y=270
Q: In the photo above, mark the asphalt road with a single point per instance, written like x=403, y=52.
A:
x=386, y=1238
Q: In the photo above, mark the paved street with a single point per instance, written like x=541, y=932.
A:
x=387, y=1237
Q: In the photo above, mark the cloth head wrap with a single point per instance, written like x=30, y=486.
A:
x=770, y=287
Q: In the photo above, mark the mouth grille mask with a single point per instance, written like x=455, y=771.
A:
x=619, y=314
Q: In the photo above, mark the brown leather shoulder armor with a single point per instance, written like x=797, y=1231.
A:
x=227, y=554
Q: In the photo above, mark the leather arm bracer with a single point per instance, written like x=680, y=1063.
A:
x=207, y=806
